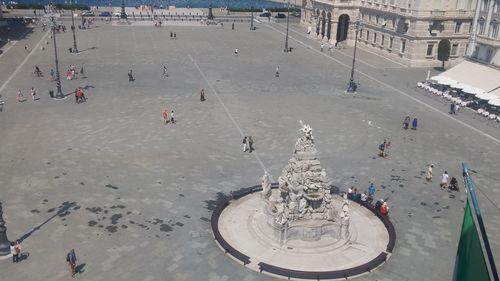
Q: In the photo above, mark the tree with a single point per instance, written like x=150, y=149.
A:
x=444, y=51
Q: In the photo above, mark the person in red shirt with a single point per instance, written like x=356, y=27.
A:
x=164, y=113
x=384, y=209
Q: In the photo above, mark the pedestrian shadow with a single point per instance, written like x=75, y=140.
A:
x=64, y=210
x=24, y=256
x=80, y=268
x=86, y=87
x=88, y=49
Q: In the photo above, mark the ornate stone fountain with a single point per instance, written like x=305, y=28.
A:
x=298, y=224
x=303, y=208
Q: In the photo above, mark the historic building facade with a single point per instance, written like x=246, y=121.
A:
x=408, y=31
x=485, y=39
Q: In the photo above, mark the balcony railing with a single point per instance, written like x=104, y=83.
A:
x=483, y=39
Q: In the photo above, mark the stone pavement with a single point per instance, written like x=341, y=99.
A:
x=133, y=196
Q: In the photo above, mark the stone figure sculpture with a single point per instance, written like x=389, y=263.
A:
x=266, y=186
x=303, y=183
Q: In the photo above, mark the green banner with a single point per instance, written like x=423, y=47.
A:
x=470, y=264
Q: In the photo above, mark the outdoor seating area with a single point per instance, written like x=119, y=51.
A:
x=486, y=104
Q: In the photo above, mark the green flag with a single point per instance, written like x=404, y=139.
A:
x=470, y=264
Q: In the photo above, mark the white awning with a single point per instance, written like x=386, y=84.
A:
x=474, y=74
x=486, y=96
x=472, y=90
x=495, y=102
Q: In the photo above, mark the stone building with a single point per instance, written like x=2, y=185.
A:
x=407, y=31
x=485, y=39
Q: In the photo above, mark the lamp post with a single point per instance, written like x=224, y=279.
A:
x=251, y=20
x=286, y=50
x=4, y=241
x=59, y=94
x=353, y=85
x=75, y=49
x=123, y=15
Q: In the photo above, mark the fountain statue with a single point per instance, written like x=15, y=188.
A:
x=304, y=201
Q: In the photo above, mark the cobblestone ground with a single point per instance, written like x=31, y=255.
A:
x=133, y=196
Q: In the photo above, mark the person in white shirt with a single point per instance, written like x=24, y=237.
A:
x=444, y=180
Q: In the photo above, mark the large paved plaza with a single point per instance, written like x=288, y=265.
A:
x=133, y=196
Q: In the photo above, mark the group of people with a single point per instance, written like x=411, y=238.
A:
x=366, y=197
x=454, y=108
x=173, y=35
x=20, y=96
x=406, y=123
x=71, y=72
x=164, y=114
x=247, y=144
x=452, y=184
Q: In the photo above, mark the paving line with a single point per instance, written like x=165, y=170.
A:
x=228, y=113
x=497, y=141
x=23, y=62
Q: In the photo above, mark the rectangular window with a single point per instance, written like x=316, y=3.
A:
x=367, y=35
x=391, y=40
x=488, y=55
x=369, y=18
x=361, y=33
x=494, y=31
x=454, y=50
x=481, y=27
x=377, y=19
x=375, y=38
x=382, y=40
x=430, y=49
x=458, y=25
x=403, y=46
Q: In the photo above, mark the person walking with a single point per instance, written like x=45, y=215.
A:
x=165, y=73
x=172, y=120
x=52, y=74
x=164, y=114
x=175, y=35
x=444, y=180
x=428, y=176
x=71, y=259
x=236, y=52
x=15, y=250
x=321, y=47
x=330, y=49
x=26, y=47
x=232, y=26
x=171, y=35
x=202, y=95
x=414, y=124
x=452, y=108
x=277, y=71
x=33, y=93
x=130, y=76
x=250, y=144
x=20, y=97
x=245, y=144
x=406, y=122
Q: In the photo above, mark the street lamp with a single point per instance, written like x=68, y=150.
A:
x=251, y=20
x=353, y=85
x=4, y=241
x=59, y=94
x=286, y=50
x=123, y=15
x=75, y=49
